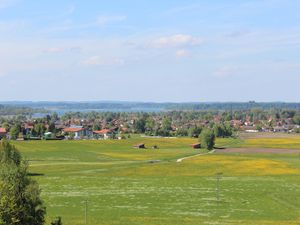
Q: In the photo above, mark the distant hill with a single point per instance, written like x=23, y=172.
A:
x=140, y=106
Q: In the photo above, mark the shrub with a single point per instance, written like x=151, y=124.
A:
x=207, y=139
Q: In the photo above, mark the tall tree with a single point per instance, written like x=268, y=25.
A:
x=20, y=202
x=150, y=125
x=14, y=131
x=207, y=139
x=139, y=125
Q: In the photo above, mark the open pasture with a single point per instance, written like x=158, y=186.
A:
x=262, y=140
x=128, y=186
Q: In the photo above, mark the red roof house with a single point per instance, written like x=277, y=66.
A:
x=3, y=132
x=77, y=131
x=104, y=133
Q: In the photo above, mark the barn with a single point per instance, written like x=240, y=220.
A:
x=142, y=145
x=196, y=145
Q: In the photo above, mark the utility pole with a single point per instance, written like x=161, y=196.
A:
x=86, y=207
x=218, y=178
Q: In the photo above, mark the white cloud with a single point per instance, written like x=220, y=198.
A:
x=182, y=53
x=104, y=19
x=100, y=61
x=62, y=50
x=177, y=40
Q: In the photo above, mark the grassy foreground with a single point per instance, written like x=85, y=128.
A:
x=123, y=186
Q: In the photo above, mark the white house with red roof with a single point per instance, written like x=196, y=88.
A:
x=78, y=131
x=104, y=133
x=3, y=132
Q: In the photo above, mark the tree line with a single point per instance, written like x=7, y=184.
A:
x=20, y=201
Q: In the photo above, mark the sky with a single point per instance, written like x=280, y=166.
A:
x=158, y=51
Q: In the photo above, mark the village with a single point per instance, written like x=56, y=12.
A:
x=103, y=126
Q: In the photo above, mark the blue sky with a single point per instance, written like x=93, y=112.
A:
x=138, y=50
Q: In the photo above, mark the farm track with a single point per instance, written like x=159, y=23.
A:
x=192, y=156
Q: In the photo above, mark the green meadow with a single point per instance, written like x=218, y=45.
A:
x=128, y=186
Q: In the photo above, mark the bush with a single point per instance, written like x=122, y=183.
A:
x=207, y=139
x=56, y=221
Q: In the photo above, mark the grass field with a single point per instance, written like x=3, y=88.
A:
x=123, y=186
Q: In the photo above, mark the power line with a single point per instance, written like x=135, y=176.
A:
x=218, y=178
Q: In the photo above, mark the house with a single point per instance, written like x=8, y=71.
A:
x=196, y=146
x=249, y=129
x=104, y=133
x=78, y=131
x=280, y=129
x=28, y=128
x=140, y=146
x=3, y=132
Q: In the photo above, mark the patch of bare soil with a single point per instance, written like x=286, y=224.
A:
x=258, y=150
x=245, y=135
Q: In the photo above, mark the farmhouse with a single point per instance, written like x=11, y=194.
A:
x=3, y=132
x=280, y=129
x=28, y=128
x=78, y=131
x=104, y=133
x=249, y=129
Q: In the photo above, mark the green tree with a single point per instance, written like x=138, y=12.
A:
x=14, y=132
x=139, y=125
x=20, y=202
x=194, y=131
x=167, y=124
x=150, y=125
x=181, y=132
x=296, y=119
x=207, y=139
x=51, y=127
x=222, y=130
x=96, y=127
x=39, y=129
x=218, y=130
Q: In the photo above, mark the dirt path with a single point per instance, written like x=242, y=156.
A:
x=192, y=156
x=259, y=150
x=245, y=151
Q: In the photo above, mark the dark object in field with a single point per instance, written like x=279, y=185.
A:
x=154, y=161
x=35, y=174
x=196, y=146
x=140, y=146
x=154, y=147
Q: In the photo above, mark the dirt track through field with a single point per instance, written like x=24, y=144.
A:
x=192, y=156
x=259, y=150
